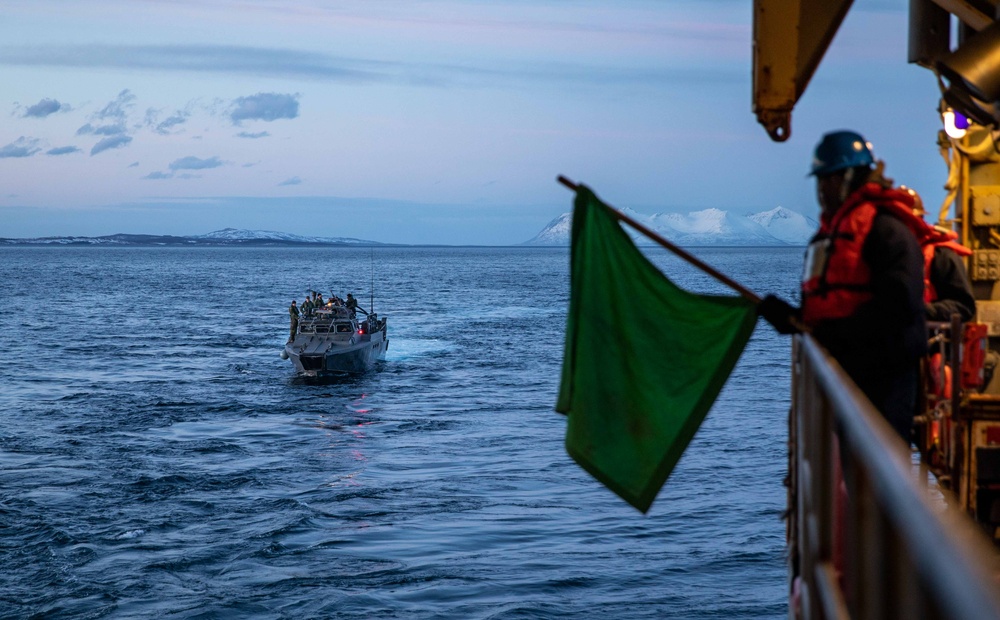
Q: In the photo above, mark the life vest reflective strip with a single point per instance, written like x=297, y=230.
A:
x=838, y=280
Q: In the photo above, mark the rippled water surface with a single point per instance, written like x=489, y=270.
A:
x=158, y=459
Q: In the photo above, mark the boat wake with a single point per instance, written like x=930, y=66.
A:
x=405, y=349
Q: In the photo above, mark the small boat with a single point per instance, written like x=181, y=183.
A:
x=331, y=340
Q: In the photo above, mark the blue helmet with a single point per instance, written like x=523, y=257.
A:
x=839, y=150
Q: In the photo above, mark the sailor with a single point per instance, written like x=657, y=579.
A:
x=293, y=315
x=947, y=289
x=319, y=300
x=307, y=307
x=352, y=303
x=862, y=287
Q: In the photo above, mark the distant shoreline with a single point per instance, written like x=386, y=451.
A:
x=33, y=243
x=77, y=243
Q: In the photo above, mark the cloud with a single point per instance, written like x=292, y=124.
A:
x=171, y=175
x=247, y=134
x=134, y=164
x=101, y=130
x=193, y=163
x=255, y=61
x=62, y=150
x=264, y=107
x=110, y=121
x=22, y=147
x=165, y=126
x=113, y=142
x=118, y=109
x=43, y=108
x=291, y=64
x=178, y=118
x=291, y=181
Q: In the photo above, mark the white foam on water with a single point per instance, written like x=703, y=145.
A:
x=407, y=348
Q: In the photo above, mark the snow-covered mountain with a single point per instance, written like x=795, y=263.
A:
x=555, y=232
x=226, y=236
x=778, y=226
x=710, y=227
x=786, y=225
x=235, y=234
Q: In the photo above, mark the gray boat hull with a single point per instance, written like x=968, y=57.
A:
x=331, y=341
x=352, y=359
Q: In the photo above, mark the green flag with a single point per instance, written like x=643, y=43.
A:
x=644, y=359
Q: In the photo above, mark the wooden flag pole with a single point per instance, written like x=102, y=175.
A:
x=721, y=277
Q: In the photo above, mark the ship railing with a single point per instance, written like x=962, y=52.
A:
x=866, y=539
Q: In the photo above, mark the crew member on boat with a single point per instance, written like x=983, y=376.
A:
x=293, y=315
x=307, y=307
x=352, y=303
x=947, y=289
x=862, y=287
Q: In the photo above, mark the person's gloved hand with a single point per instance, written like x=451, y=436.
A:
x=779, y=313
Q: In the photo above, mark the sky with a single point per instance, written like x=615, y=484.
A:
x=422, y=121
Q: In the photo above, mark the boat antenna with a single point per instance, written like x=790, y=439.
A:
x=372, y=300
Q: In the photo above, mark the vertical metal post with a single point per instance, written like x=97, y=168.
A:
x=962, y=207
x=792, y=525
x=955, y=358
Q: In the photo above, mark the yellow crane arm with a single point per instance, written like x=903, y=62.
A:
x=789, y=39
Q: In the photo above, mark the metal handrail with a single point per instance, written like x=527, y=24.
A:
x=904, y=552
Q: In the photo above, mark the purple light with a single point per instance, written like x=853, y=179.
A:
x=961, y=120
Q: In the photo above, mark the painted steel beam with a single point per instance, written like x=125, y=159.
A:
x=789, y=40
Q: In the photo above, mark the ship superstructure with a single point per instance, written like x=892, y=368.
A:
x=864, y=541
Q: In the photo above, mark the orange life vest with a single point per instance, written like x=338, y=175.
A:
x=836, y=280
x=938, y=238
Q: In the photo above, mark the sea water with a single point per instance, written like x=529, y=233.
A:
x=158, y=458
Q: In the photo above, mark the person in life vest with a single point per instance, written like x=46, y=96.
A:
x=947, y=289
x=862, y=287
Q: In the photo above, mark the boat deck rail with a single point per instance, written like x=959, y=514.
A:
x=339, y=321
x=325, y=326
x=866, y=540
